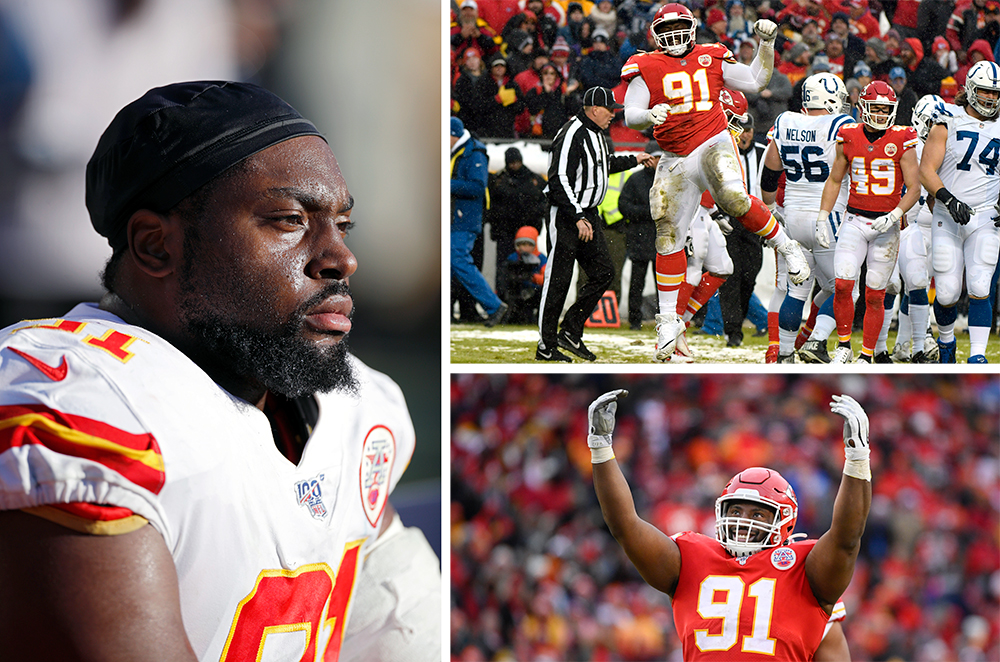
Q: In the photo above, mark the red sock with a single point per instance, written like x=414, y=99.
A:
x=772, y=328
x=706, y=288
x=807, y=328
x=843, y=308
x=874, y=316
x=759, y=220
x=683, y=296
x=670, y=271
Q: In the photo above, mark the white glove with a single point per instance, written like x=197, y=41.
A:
x=886, y=221
x=823, y=229
x=765, y=29
x=658, y=113
x=602, y=423
x=856, y=448
x=722, y=219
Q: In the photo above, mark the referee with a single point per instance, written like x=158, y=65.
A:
x=578, y=179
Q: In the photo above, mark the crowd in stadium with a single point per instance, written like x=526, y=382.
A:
x=536, y=576
x=519, y=67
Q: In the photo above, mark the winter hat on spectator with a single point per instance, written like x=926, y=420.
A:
x=600, y=34
x=862, y=69
x=512, y=155
x=795, y=52
x=526, y=235
x=896, y=73
x=820, y=63
x=878, y=46
x=714, y=16
x=852, y=84
x=470, y=52
x=915, y=46
x=499, y=59
x=940, y=43
x=469, y=3
x=457, y=128
x=560, y=46
x=573, y=6
x=894, y=33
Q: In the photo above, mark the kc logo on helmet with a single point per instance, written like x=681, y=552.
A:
x=377, y=458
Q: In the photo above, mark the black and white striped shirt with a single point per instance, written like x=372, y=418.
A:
x=579, y=166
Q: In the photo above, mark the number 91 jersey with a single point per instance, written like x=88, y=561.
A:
x=969, y=167
x=691, y=86
x=755, y=608
x=807, y=146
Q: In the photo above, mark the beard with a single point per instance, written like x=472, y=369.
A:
x=270, y=352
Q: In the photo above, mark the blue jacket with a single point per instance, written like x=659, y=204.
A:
x=469, y=175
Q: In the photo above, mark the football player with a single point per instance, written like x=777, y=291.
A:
x=755, y=590
x=959, y=169
x=880, y=158
x=913, y=341
x=803, y=146
x=676, y=91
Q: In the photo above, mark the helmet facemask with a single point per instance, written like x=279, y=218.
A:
x=983, y=76
x=673, y=37
x=878, y=119
x=742, y=536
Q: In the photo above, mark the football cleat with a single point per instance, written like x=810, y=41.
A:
x=842, y=354
x=668, y=328
x=551, y=355
x=795, y=261
x=771, y=356
x=864, y=358
x=682, y=349
x=814, y=351
x=901, y=352
x=947, y=351
x=786, y=358
x=931, y=350
x=883, y=357
x=977, y=358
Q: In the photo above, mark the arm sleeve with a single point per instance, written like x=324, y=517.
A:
x=636, y=104
x=750, y=78
x=623, y=162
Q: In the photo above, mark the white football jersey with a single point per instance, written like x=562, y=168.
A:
x=921, y=212
x=969, y=169
x=807, y=145
x=267, y=552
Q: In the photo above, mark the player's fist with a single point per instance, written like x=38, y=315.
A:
x=855, y=422
x=658, y=113
x=602, y=418
x=886, y=221
x=960, y=212
x=765, y=29
x=823, y=229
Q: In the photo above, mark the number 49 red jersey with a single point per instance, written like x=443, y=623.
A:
x=691, y=85
x=759, y=607
x=874, y=167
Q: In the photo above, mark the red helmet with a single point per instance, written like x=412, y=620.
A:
x=742, y=536
x=737, y=109
x=678, y=40
x=878, y=93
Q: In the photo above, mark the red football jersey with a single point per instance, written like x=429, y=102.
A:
x=691, y=85
x=876, y=176
x=759, y=609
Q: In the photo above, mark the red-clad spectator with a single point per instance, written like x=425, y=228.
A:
x=547, y=25
x=978, y=50
x=967, y=22
x=470, y=31
x=863, y=23
x=802, y=11
x=904, y=18
x=498, y=12
x=835, y=54
x=795, y=63
x=924, y=73
x=941, y=51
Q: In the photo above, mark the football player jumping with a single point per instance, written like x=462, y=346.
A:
x=803, y=146
x=794, y=584
x=880, y=158
x=959, y=168
x=676, y=91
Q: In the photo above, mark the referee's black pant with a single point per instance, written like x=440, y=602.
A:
x=565, y=247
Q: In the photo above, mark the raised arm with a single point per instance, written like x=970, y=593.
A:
x=73, y=596
x=653, y=553
x=754, y=77
x=830, y=565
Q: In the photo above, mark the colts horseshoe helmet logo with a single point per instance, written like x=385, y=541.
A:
x=377, y=458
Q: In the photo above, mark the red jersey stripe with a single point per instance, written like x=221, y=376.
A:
x=135, y=456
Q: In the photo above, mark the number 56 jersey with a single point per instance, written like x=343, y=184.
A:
x=756, y=608
x=807, y=146
x=104, y=426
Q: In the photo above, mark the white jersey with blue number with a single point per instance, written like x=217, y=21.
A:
x=921, y=212
x=970, y=169
x=807, y=145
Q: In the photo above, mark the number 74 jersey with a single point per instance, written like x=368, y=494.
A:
x=759, y=607
x=970, y=165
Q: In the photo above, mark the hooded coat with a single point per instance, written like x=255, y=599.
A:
x=925, y=73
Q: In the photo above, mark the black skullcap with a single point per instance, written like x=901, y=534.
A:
x=171, y=141
x=512, y=155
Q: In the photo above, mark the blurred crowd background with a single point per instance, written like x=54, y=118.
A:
x=535, y=575
x=66, y=68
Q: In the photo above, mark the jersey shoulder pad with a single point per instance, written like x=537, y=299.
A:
x=631, y=67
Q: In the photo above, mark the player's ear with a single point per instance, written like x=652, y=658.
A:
x=155, y=242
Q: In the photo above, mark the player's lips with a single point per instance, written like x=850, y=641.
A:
x=331, y=316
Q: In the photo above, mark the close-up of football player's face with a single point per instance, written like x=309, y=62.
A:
x=265, y=279
x=750, y=511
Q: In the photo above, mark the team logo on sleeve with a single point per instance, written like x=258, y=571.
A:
x=705, y=60
x=309, y=493
x=783, y=558
x=377, y=458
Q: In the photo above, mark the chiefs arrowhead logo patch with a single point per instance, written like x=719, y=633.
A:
x=377, y=458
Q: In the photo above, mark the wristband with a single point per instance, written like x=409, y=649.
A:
x=944, y=195
x=601, y=455
x=858, y=463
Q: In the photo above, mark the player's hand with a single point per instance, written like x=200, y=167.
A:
x=959, y=211
x=823, y=229
x=723, y=219
x=646, y=160
x=886, y=221
x=658, y=113
x=602, y=418
x=855, y=422
x=765, y=29
x=584, y=229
